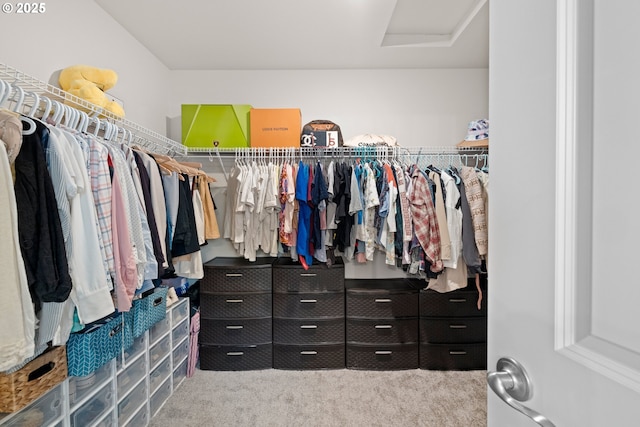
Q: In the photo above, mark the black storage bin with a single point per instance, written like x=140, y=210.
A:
x=236, y=331
x=390, y=331
x=462, y=356
x=308, y=356
x=234, y=305
x=235, y=358
x=453, y=329
x=383, y=356
x=316, y=331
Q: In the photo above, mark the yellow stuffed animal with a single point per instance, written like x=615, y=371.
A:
x=90, y=84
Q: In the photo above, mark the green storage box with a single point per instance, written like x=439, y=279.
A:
x=202, y=124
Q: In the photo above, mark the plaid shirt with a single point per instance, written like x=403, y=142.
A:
x=101, y=188
x=424, y=218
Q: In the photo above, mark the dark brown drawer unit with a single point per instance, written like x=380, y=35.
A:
x=453, y=331
x=382, y=331
x=308, y=316
x=236, y=315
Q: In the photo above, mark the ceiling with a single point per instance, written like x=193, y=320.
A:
x=308, y=34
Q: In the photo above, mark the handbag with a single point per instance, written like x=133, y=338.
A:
x=321, y=133
x=97, y=343
x=147, y=311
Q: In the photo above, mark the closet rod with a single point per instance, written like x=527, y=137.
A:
x=31, y=84
x=322, y=152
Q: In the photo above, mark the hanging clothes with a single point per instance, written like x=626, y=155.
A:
x=16, y=308
x=424, y=219
x=41, y=238
x=475, y=198
x=304, y=214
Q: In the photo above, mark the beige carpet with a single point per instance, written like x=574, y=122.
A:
x=328, y=398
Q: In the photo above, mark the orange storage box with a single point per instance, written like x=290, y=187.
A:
x=275, y=127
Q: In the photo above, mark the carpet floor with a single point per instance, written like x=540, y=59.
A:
x=333, y=398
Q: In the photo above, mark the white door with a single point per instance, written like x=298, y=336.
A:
x=564, y=221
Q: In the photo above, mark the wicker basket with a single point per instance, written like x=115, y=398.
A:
x=37, y=377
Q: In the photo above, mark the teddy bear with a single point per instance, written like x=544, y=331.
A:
x=91, y=83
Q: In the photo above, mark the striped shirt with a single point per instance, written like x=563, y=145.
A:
x=101, y=188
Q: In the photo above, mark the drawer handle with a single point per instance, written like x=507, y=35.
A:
x=312, y=301
x=309, y=353
x=457, y=353
x=458, y=326
x=384, y=326
x=235, y=326
x=308, y=326
x=234, y=300
x=235, y=353
x=383, y=300
x=457, y=300
x=384, y=352
x=308, y=274
x=233, y=274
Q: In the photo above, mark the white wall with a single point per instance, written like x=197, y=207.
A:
x=428, y=107
x=79, y=32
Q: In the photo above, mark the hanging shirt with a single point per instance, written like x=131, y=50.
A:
x=91, y=290
x=304, y=213
x=185, y=237
x=100, y=179
x=158, y=257
x=16, y=308
x=469, y=248
x=133, y=208
x=319, y=195
x=405, y=209
x=454, y=219
x=371, y=202
x=157, y=201
x=210, y=221
x=445, y=240
x=424, y=218
x=171, y=185
x=473, y=190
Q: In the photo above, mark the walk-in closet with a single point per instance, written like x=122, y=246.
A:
x=338, y=213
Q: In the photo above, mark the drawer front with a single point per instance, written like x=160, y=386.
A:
x=307, y=331
x=239, y=279
x=309, y=305
x=318, y=279
x=453, y=357
x=47, y=407
x=300, y=357
x=383, y=357
x=453, y=330
x=132, y=402
x=235, y=331
x=223, y=306
x=389, y=331
x=382, y=305
x=235, y=358
x=460, y=303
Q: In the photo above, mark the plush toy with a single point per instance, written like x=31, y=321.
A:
x=90, y=84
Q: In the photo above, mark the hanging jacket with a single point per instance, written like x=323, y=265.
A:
x=41, y=239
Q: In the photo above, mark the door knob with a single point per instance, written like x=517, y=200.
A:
x=512, y=384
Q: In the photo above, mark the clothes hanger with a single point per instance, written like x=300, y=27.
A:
x=16, y=109
x=4, y=89
x=47, y=108
x=36, y=104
